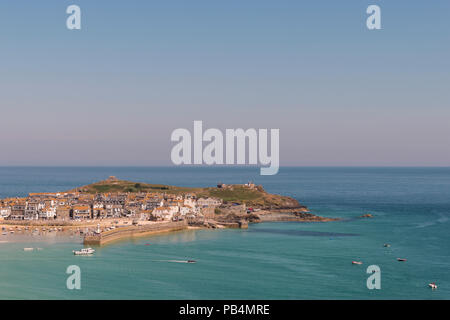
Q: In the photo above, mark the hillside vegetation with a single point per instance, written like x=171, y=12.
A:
x=240, y=194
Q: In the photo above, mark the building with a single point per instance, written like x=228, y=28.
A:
x=18, y=211
x=63, y=213
x=81, y=212
x=99, y=213
x=5, y=212
x=153, y=203
x=209, y=202
x=164, y=213
x=47, y=213
x=79, y=205
x=32, y=210
x=114, y=210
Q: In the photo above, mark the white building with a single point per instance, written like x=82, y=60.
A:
x=209, y=202
x=165, y=213
x=5, y=212
x=191, y=202
x=47, y=213
x=98, y=205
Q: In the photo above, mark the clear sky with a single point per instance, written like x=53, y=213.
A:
x=112, y=93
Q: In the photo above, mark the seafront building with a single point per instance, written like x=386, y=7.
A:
x=83, y=206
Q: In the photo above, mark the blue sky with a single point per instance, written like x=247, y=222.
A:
x=112, y=93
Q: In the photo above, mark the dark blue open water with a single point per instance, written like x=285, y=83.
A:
x=268, y=261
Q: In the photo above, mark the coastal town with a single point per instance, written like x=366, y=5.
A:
x=114, y=209
x=79, y=206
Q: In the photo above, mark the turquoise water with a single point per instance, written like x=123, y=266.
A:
x=269, y=260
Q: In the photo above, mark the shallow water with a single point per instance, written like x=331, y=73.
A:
x=282, y=260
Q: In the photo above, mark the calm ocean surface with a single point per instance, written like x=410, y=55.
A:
x=269, y=260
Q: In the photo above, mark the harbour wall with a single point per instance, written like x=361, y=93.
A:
x=133, y=231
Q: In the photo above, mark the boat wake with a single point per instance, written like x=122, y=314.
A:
x=177, y=261
x=442, y=218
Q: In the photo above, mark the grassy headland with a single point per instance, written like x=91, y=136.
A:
x=252, y=197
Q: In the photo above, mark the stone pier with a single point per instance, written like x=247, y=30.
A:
x=133, y=231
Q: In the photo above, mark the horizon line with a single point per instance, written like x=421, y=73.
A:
x=222, y=166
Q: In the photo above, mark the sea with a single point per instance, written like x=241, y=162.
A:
x=273, y=260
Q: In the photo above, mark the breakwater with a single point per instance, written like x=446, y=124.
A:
x=298, y=217
x=133, y=231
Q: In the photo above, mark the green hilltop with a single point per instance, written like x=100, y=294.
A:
x=256, y=197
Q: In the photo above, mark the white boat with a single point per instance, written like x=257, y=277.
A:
x=28, y=249
x=357, y=262
x=432, y=285
x=84, y=252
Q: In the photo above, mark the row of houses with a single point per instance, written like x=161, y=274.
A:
x=82, y=206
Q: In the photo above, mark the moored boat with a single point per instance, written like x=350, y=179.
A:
x=84, y=252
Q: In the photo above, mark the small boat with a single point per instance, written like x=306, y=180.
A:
x=84, y=252
x=401, y=259
x=432, y=285
x=28, y=249
x=386, y=245
x=357, y=262
x=178, y=261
